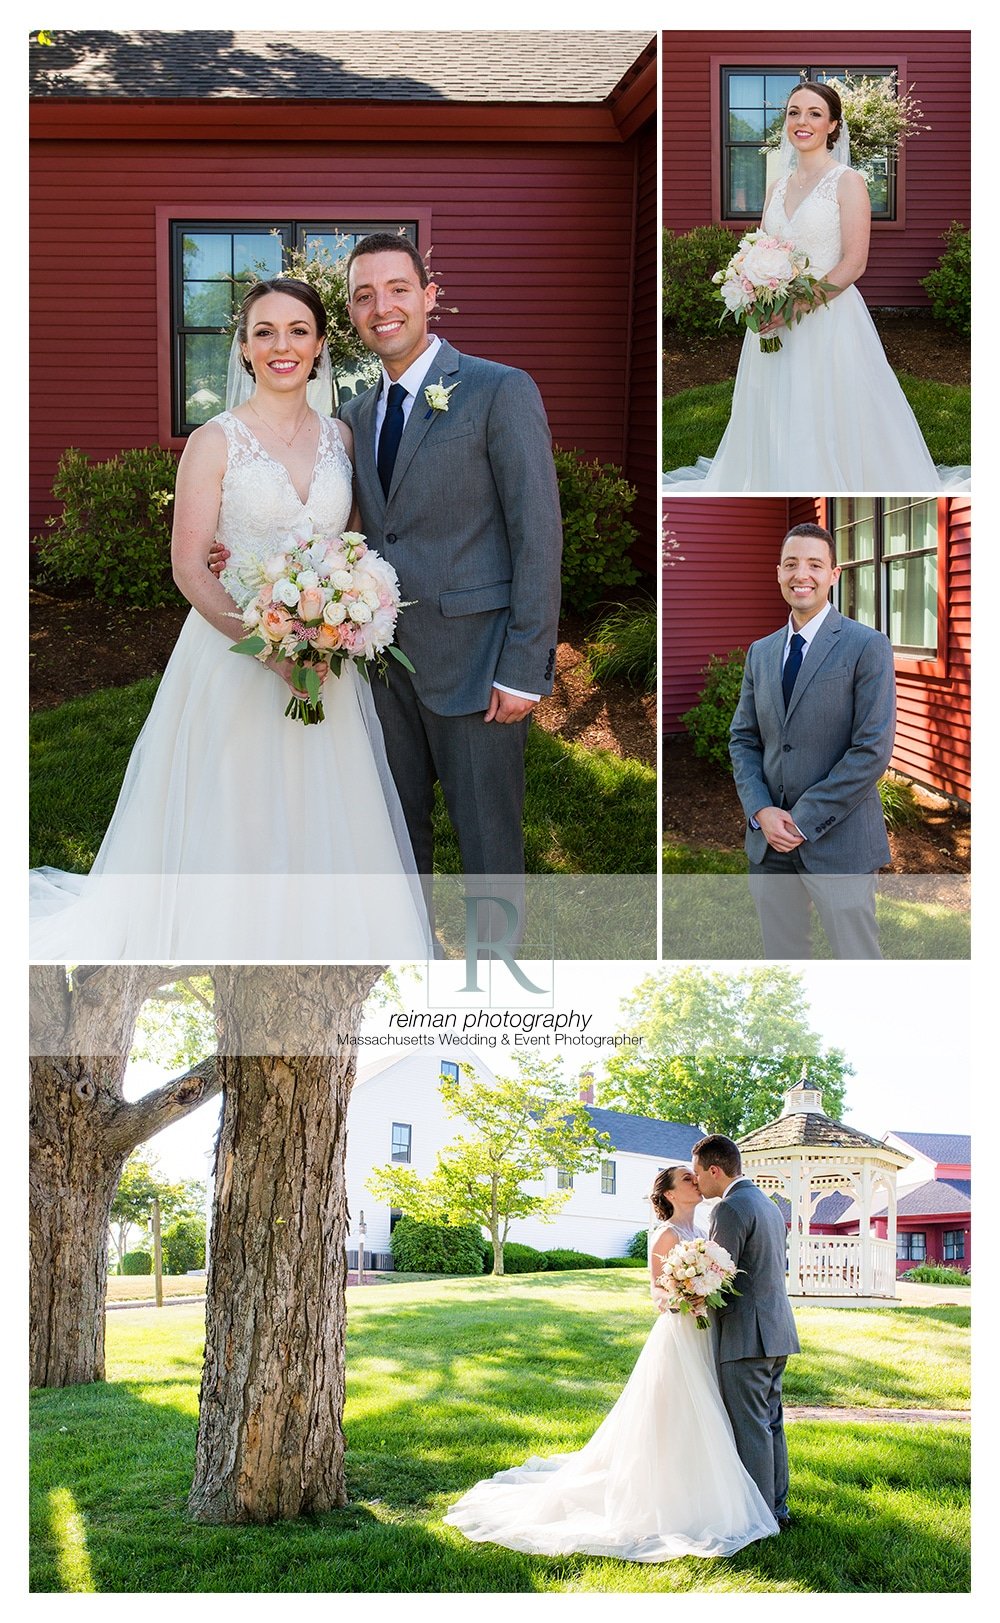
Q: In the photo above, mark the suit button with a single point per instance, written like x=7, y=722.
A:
x=391, y=536
x=785, y=748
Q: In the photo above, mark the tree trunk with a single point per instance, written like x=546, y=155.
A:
x=81, y=1133
x=270, y=1435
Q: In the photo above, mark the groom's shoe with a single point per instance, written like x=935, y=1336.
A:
x=784, y=1522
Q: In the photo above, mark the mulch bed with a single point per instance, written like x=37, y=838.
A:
x=914, y=343
x=700, y=808
x=77, y=646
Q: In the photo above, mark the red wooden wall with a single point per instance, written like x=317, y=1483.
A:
x=725, y=594
x=534, y=242
x=934, y=171
x=642, y=459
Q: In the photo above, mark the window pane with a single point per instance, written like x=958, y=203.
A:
x=207, y=254
x=911, y=585
x=256, y=254
x=207, y=304
x=778, y=88
x=746, y=181
x=858, y=541
x=857, y=594
x=206, y=357
x=746, y=90
x=747, y=124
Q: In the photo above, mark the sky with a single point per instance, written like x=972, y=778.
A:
x=905, y=1031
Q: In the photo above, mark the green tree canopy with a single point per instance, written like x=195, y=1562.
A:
x=520, y=1127
x=720, y=1050
x=142, y=1180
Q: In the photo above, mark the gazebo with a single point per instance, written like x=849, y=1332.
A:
x=802, y=1158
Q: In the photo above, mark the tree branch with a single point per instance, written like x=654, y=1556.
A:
x=134, y=1123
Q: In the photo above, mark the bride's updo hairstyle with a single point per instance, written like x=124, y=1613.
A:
x=296, y=290
x=832, y=99
x=658, y=1195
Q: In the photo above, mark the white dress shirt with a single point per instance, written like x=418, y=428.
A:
x=412, y=380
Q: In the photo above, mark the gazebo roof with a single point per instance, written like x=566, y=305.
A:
x=810, y=1129
x=407, y=65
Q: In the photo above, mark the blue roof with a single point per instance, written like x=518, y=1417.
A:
x=947, y=1147
x=645, y=1135
x=963, y=1185
x=932, y=1199
x=826, y=1210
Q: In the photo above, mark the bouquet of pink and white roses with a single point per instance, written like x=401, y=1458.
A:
x=767, y=277
x=316, y=602
x=698, y=1274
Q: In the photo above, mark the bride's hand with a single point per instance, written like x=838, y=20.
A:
x=218, y=557
x=290, y=675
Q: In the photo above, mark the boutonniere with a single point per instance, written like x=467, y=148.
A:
x=437, y=395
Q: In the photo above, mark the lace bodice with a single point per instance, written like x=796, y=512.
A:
x=259, y=501
x=815, y=224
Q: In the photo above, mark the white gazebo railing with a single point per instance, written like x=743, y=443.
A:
x=833, y=1266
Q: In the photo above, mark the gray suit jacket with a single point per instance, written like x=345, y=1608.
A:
x=759, y=1322
x=472, y=527
x=821, y=759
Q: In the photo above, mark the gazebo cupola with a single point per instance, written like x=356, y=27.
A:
x=801, y=1159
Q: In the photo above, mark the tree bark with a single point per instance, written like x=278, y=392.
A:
x=81, y=1132
x=270, y=1435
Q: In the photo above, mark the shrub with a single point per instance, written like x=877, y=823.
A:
x=625, y=643
x=522, y=1259
x=624, y=1262
x=436, y=1248
x=114, y=531
x=638, y=1246
x=900, y=806
x=184, y=1245
x=137, y=1262
x=594, y=498
x=708, y=721
x=930, y=1273
x=562, y=1261
x=690, y=300
x=949, y=287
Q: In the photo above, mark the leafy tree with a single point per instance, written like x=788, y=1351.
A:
x=720, y=1050
x=143, y=1181
x=184, y=1245
x=520, y=1127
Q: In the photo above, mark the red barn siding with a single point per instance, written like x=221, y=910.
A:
x=642, y=461
x=934, y=173
x=534, y=245
x=725, y=594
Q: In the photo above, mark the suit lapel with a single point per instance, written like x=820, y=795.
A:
x=822, y=646
x=421, y=419
x=773, y=662
x=364, y=444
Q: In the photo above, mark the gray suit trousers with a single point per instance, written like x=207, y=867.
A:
x=751, y=1392
x=782, y=889
x=480, y=766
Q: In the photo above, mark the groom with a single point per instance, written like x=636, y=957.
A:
x=755, y=1331
x=457, y=489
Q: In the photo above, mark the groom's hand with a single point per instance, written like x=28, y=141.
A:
x=218, y=557
x=508, y=707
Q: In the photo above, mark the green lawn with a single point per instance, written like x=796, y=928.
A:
x=452, y=1380
x=586, y=811
x=694, y=421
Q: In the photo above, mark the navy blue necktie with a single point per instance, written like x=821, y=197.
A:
x=792, y=664
x=392, y=433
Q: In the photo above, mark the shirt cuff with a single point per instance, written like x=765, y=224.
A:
x=516, y=692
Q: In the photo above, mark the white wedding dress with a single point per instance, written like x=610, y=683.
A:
x=240, y=833
x=825, y=412
x=659, y=1479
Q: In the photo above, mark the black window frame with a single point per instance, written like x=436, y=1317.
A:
x=911, y=1245
x=399, y=1158
x=882, y=560
x=609, y=1178
x=953, y=1245
x=292, y=232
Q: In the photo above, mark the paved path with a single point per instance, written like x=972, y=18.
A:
x=901, y=1417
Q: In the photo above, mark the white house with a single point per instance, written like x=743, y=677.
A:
x=396, y=1114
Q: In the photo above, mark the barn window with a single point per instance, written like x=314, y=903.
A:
x=888, y=549
x=911, y=1247
x=954, y=1245
x=211, y=265
x=753, y=104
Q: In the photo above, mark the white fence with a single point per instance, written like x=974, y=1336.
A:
x=832, y=1266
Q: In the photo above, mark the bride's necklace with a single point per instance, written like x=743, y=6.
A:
x=277, y=432
x=799, y=190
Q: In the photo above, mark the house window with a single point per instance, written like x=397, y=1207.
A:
x=911, y=1247
x=564, y=1180
x=888, y=552
x=401, y=1136
x=395, y=1213
x=211, y=265
x=753, y=104
x=607, y=1177
x=954, y=1245
x=449, y=1069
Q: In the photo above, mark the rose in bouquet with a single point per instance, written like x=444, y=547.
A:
x=768, y=277
x=698, y=1274
x=318, y=601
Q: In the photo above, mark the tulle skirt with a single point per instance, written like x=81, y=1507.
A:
x=822, y=414
x=659, y=1479
x=239, y=833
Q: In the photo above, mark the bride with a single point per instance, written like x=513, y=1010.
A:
x=660, y=1478
x=824, y=413
x=240, y=833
